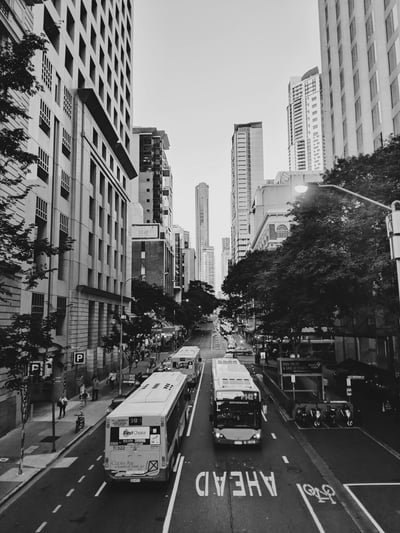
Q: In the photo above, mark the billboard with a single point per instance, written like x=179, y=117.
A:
x=145, y=231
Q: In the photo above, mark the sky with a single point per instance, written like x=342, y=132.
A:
x=201, y=66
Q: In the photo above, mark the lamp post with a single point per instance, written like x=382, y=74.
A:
x=120, y=336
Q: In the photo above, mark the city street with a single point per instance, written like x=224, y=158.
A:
x=327, y=480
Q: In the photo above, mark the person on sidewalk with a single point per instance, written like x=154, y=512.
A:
x=83, y=394
x=62, y=404
x=95, y=388
x=112, y=378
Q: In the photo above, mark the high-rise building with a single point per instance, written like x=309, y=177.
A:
x=304, y=116
x=225, y=257
x=360, y=53
x=81, y=132
x=153, y=243
x=247, y=163
x=202, y=224
x=207, y=273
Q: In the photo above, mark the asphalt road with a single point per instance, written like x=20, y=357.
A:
x=323, y=480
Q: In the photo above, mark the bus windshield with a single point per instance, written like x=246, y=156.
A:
x=237, y=413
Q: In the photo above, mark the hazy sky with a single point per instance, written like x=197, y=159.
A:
x=201, y=66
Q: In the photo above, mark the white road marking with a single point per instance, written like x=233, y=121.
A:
x=264, y=417
x=90, y=467
x=385, y=446
x=99, y=457
x=362, y=506
x=42, y=526
x=189, y=429
x=81, y=479
x=285, y=459
x=273, y=435
x=311, y=510
x=69, y=493
x=56, y=509
x=100, y=489
x=176, y=462
x=168, y=516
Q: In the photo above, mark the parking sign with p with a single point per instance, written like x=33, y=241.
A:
x=79, y=358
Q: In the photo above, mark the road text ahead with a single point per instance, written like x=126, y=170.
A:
x=242, y=483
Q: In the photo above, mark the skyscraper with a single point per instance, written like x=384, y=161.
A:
x=360, y=53
x=202, y=223
x=225, y=257
x=304, y=116
x=247, y=164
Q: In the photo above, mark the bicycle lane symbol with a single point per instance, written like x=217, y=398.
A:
x=321, y=495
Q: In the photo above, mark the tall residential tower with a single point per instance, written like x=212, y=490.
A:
x=360, y=51
x=304, y=116
x=247, y=164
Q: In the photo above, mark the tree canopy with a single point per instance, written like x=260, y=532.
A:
x=336, y=262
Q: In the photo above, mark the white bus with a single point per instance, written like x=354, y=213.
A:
x=188, y=361
x=236, y=404
x=144, y=433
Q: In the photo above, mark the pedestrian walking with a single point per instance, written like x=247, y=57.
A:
x=83, y=394
x=112, y=378
x=62, y=404
x=95, y=388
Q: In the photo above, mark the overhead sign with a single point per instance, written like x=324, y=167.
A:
x=290, y=366
x=79, y=358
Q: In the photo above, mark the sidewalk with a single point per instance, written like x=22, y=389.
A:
x=39, y=437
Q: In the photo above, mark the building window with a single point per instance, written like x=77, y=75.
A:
x=61, y=314
x=392, y=58
x=356, y=82
x=354, y=56
x=43, y=164
x=376, y=116
x=394, y=91
x=369, y=27
x=396, y=124
x=44, y=117
x=373, y=85
x=47, y=71
x=37, y=305
x=352, y=30
x=65, y=184
x=281, y=232
x=41, y=209
x=357, y=107
x=371, y=56
x=389, y=24
x=67, y=103
x=66, y=143
x=359, y=139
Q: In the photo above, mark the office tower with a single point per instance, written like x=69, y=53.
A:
x=202, y=224
x=207, y=273
x=152, y=244
x=247, y=165
x=189, y=267
x=81, y=131
x=225, y=257
x=179, y=245
x=304, y=116
x=360, y=54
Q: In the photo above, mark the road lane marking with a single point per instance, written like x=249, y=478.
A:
x=42, y=526
x=346, y=486
x=90, y=467
x=81, y=479
x=385, y=446
x=243, y=483
x=285, y=459
x=189, y=429
x=99, y=457
x=69, y=493
x=168, y=516
x=100, y=489
x=56, y=509
x=176, y=462
x=264, y=417
x=273, y=436
x=311, y=510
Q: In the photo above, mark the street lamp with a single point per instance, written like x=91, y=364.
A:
x=120, y=336
x=392, y=220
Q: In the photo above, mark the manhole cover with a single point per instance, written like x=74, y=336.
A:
x=50, y=438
